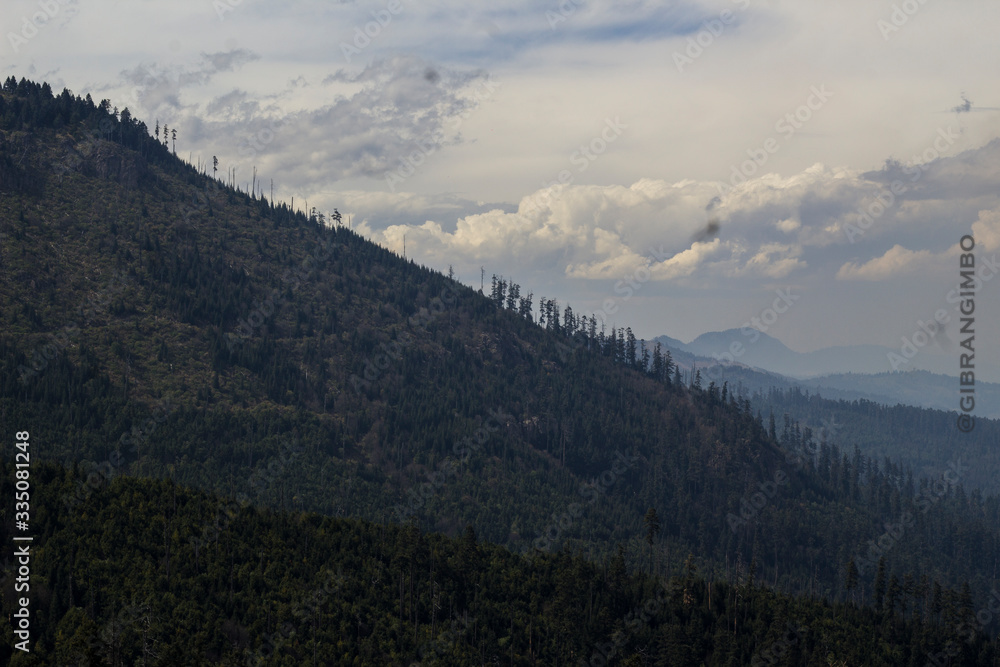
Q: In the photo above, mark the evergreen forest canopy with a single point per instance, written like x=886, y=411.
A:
x=127, y=580
x=161, y=326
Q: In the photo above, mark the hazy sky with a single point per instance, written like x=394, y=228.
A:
x=455, y=124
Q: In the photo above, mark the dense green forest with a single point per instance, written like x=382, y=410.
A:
x=161, y=325
x=924, y=440
x=148, y=572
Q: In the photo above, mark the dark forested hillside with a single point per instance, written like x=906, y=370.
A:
x=924, y=440
x=152, y=573
x=160, y=324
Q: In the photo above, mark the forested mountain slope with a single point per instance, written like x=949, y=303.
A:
x=923, y=439
x=159, y=324
x=148, y=572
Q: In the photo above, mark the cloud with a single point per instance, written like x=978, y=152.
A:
x=386, y=209
x=518, y=28
x=373, y=121
x=387, y=118
x=327, y=130
x=771, y=260
x=972, y=173
x=986, y=230
x=770, y=228
x=896, y=262
x=684, y=263
x=226, y=61
x=599, y=232
x=159, y=88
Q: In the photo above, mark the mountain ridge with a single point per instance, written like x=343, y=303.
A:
x=274, y=414
x=758, y=350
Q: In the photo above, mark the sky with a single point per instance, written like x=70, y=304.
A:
x=675, y=167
